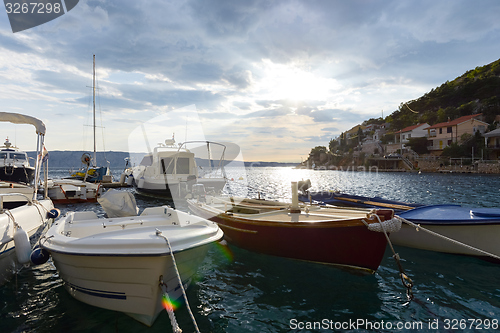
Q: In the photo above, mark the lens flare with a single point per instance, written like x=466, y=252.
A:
x=168, y=304
x=225, y=250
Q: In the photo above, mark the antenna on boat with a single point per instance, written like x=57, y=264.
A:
x=186, y=133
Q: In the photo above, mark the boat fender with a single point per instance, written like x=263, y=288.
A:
x=39, y=256
x=23, y=246
x=53, y=213
x=392, y=225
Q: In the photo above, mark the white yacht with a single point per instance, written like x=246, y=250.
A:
x=14, y=165
x=171, y=170
x=23, y=218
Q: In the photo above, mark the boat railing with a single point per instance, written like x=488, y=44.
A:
x=19, y=195
x=213, y=170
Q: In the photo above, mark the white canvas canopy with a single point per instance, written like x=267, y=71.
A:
x=17, y=118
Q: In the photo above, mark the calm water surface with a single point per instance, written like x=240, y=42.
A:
x=248, y=292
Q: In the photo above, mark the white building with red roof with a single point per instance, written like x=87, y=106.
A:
x=415, y=131
x=444, y=134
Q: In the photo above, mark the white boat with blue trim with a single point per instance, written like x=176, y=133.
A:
x=477, y=228
x=23, y=218
x=125, y=263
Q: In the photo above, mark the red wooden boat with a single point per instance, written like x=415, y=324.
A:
x=337, y=236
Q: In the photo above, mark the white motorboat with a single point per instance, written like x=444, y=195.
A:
x=125, y=263
x=67, y=191
x=21, y=227
x=14, y=165
x=10, y=202
x=452, y=229
x=171, y=170
x=22, y=218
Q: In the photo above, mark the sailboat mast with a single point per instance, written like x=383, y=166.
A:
x=93, y=88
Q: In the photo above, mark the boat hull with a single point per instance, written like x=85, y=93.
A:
x=477, y=227
x=67, y=191
x=117, y=263
x=175, y=190
x=17, y=174
x=484, y=237
x=29, y=218
x=129, y=284
x=94, y=174
x=163, y=190
x=342, y=243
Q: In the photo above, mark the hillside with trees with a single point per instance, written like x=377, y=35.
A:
x=476, y=91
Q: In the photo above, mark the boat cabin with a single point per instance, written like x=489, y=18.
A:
x=10, y=155
x=14, y=165
x=169, y=160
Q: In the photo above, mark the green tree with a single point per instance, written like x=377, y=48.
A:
x=316, y=152
x=454, y=151
x=332, y=145
x=387, y=138
x=418, y=145
x=360, y=134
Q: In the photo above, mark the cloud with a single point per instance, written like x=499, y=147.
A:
x=267, y=73
x=272, y=113
x=60, y=81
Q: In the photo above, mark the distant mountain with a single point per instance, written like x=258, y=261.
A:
x=71, y=160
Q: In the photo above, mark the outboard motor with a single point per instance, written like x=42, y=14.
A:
x=304, y=186
x=199, y=193
x=191, y=180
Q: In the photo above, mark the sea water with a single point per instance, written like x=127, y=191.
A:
x=239, y=291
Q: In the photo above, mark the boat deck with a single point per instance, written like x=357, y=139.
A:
x=260, y=210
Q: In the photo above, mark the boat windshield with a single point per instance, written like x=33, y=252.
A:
x=4, y=155
x=182, y=166
x=18, y=156
x=147, y=160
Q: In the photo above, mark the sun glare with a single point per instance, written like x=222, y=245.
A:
x=293, y=83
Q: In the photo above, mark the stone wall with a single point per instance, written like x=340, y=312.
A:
x=440, y=166
x=427, y=165
x=488, y=167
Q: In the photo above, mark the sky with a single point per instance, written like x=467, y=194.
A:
x=277, y=78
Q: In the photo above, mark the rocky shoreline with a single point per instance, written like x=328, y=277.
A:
x=420, y=165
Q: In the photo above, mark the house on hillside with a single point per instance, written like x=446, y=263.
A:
x=492, y=144
x=380, y=132
x=371, y=128
x=416, y=131
x=444, y=134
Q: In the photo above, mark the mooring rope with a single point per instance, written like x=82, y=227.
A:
x=169, y=308
x=405, y=279
x=159, y=233
x=419, y=227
